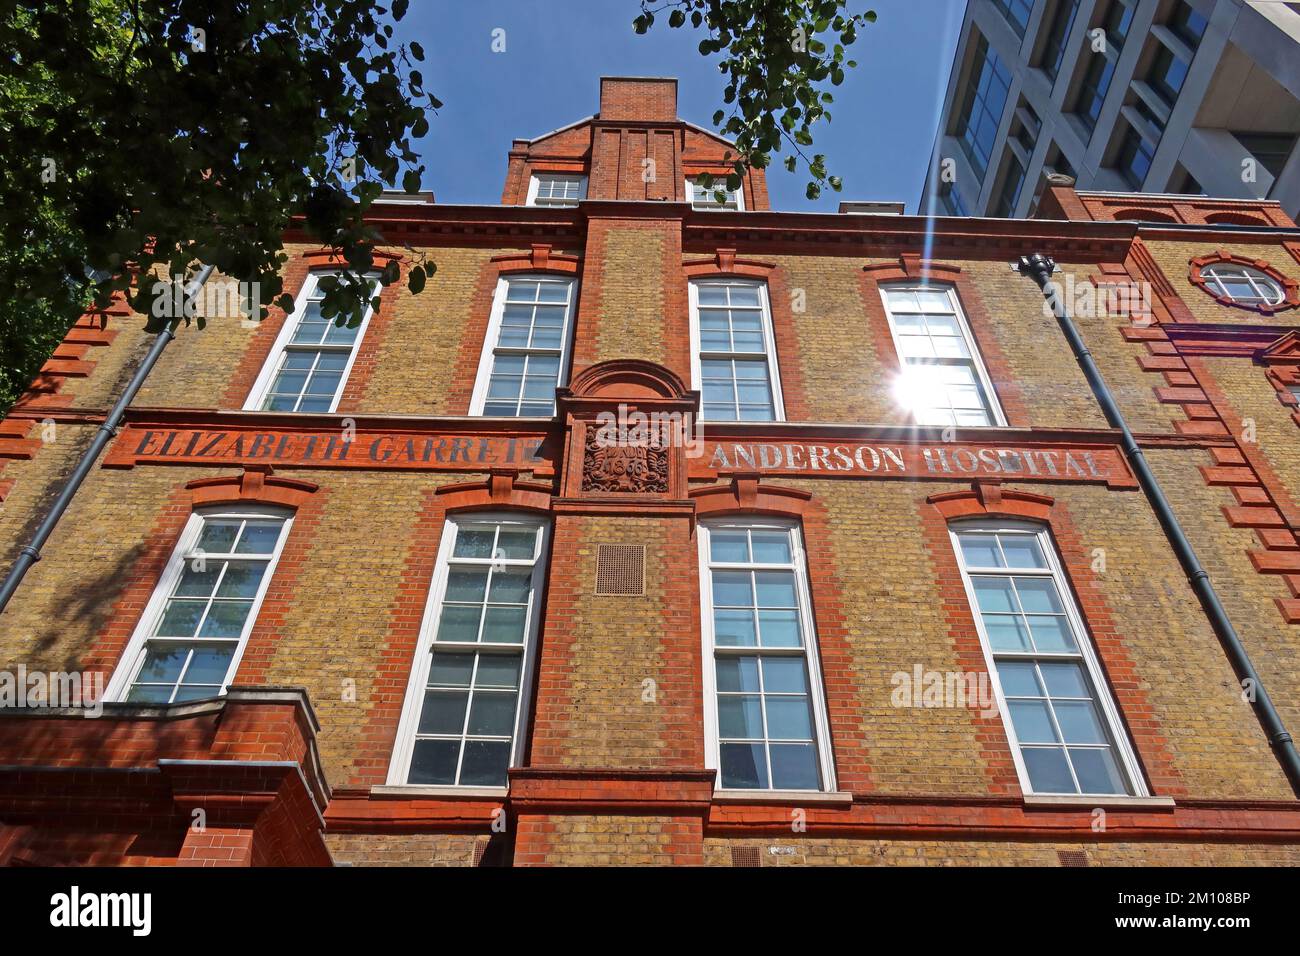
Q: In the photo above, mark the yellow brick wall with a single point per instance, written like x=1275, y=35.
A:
x=612, y=688
x=630, y=312
x=814, y=852
x=402, y=849
x=1255, y=402
x=1174, y=259
x=894, y=621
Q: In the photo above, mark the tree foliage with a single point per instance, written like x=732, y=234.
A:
x=778, y=56
x=157, y=133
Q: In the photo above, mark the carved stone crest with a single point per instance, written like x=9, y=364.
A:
x=638, y=466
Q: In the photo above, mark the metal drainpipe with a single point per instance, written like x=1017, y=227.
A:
x=32, y=552
x=1040, y=268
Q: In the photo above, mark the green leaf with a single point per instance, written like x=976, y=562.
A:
x=415, y=280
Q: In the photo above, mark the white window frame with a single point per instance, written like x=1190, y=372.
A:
x=977, y=360
x=400, y=765
x=132, y=659
x=719, y=184
x=487, y=357
x=812, y=659
x=1125, y=755
x=1269, y=291
x=534, y=188
x=257, y=394
x=769, y=341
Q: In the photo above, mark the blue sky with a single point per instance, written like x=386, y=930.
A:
x=878, y=141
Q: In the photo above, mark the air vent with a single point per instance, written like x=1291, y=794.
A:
x=620, y=570
x=1072, y=857
x=745, y=856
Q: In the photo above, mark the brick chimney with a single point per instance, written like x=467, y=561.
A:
x=651, y=99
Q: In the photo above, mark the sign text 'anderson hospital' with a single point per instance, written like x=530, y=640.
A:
x=912, y=460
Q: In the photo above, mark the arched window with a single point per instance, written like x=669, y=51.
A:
x=1061, y=721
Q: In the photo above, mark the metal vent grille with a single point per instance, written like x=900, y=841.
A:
x=1072, y=857
x=620, y=569
x=745, y=856
x=480, y=848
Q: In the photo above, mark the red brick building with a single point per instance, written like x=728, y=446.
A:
x=666, y=528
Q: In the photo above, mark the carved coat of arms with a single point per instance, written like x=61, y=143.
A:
x=638, y=466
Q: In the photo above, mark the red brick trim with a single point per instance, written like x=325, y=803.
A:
x=374, y=750
x=502, y=489
x=988, y=498
x=990, y=733
x=845, y=716
x=71, y=357
x=539, y=258
x=363, y=366
x=1290, y=288
x=912, y=268
x=283, y=592
x=725, y=263
x=747, y=495
x=257, y=484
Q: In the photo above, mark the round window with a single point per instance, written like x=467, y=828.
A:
x=1241, y=284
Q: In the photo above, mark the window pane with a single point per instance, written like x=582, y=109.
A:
x=181, y=618
x=434, y=762
x=1007, y=632
x=498, y=670
x=162, y=664
x=459, y=623
x=779, y=628
x=743, y=766
x=218, y=537
x=1079, y=722
x=740, y=716
x=492, y=713
x=784, y=675
x=734, y=628
x=980, y=550
x=732, y=589
x=729, y=546
x=505, y=625
x=737, y=674
x=771, y=547
x=208, y=665
x=1033, y=721
x=466, y=584
x=1097, y=770
x=794, y=767
x=1018, y=679
x=1038, y=596
x=485, y=763
x=788, y=718
x=451, y=670
x=1048, y=771
x=443, y=712
x=1022, y=551
x=775, y=588
x=994, y=594
x=474, y=542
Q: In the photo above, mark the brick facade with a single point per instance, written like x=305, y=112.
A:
x=616, y=761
